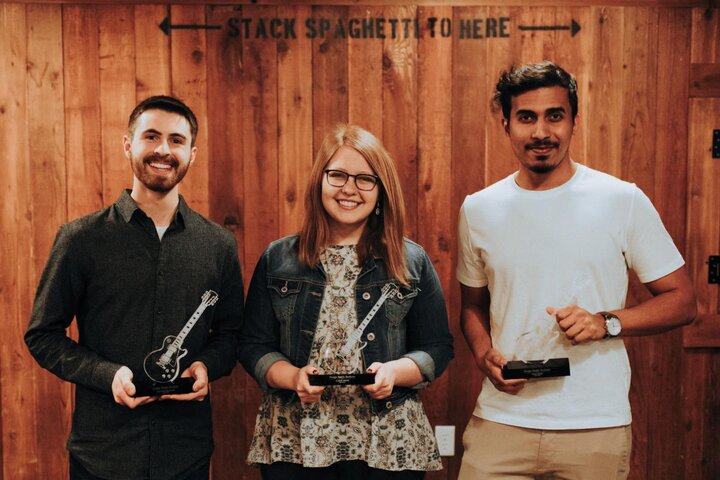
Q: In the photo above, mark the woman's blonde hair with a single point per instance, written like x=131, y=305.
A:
x=383, y=233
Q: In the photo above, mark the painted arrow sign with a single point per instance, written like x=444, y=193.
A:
x=166, y=26
x=574, y=27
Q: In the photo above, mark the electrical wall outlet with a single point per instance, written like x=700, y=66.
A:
x=445, y=435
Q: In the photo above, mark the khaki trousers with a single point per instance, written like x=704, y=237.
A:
x=494, y=450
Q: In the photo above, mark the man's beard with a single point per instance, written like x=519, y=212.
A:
x=542, y=167
x=154, y=182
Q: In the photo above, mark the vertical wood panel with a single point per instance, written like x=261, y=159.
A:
x=670, y=189
x=330, y=82
x=605, y=91
x=117, y=94
x=46, y=121
x=19, y=426
x=295, y=92
x=637, y=127
x=501, y=55
x=82, y=110
x=264, y=104
x=705, y=35
x=534, y=45
x=434, y=164
x=365, y=101
x=231, y=406
x=703, y=240
x=260, y=125
x=400, y=108
x=470, y=100
x=189, y=83
x=152, y=52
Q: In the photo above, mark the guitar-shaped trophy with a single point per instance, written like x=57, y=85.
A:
x=162, y=366
x=355, y=338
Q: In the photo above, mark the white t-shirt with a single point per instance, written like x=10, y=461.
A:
x=161, y=230
x=570, y=244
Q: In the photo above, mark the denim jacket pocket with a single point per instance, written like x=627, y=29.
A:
x=283, y=295
x=398, y=305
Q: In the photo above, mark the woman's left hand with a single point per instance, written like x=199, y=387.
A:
x=384, y=380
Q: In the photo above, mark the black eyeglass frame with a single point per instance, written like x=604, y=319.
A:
x=328, y=171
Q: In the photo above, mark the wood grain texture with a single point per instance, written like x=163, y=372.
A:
x=330, y=74
x=230, y=402
x=365, y=72
x=704, y=332
x=669, y=109
x=400, y=108
x=470, y=100
x=82, y=110
x=703, y=238
x=705, y=80
x=434, y=170
x=117, y=94
x=19, y=425
x=705, y=35
x=260, y=149
x=558, y=3
x=502, y=53
x=295, y=120
x=604, y=147
x=72, y=73
x=48, y=187
x=152, y=52
x=637, y=154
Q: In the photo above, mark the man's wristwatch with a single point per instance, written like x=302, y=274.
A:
x=613, y=327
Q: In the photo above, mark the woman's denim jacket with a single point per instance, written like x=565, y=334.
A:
x=283, y=305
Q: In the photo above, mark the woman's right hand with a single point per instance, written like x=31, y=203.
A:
x=307, y=393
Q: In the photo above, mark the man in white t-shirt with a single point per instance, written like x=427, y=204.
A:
x=543, y=265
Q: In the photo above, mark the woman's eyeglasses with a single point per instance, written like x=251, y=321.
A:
x=363, y=181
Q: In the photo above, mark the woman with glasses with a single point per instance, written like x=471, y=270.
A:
x=347, y=295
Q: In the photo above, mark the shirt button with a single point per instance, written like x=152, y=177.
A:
x=370, y=337
x=366, y=296
x=388, y=405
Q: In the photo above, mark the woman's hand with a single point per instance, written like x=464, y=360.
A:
x=307, y=393
x=385, y=377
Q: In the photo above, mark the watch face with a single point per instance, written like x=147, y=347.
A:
x=613, y=326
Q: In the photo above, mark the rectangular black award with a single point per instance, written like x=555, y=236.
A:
x=342, y=379
x=553, y=367
x=150, y=389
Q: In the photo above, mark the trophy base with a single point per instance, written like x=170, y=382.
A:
x=149, y=388
x=553, y=367
x=342, y=379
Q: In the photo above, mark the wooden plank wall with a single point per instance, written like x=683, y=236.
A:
x=70, y=75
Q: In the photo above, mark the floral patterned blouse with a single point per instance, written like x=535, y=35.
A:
x=342, y=426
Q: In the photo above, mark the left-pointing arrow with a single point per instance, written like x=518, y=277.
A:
x=166, y=26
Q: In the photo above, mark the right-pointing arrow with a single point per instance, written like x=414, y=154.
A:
x=574, y=27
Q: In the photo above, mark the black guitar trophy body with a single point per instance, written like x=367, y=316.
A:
x=162, y=366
